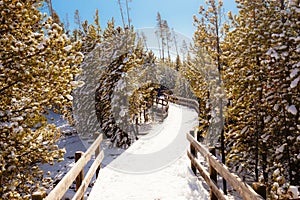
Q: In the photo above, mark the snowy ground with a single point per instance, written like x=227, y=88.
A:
x=154, y=167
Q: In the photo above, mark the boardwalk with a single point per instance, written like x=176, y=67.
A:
x=155, y=167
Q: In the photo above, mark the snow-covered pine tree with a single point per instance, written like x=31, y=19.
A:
x=37, y=66
x=245, y=83
x=282, y=97
x=262, y=74
x=197, y=72
x=118, y=45
x=89, y=34
x=141, y=100
x=210, y=29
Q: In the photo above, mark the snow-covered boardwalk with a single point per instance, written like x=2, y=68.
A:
x=154, y=167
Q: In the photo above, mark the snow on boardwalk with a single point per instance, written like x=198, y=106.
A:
x=155, y=167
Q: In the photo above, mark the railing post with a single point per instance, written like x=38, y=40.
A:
x=97, y=152
x=213, y=174
x=38, y=195
x=199, y=136
x=80, y=176
x=193, y=152
x=260, y=189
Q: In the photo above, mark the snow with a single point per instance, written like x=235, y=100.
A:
x=292, y=109
x=281, y=148
x=295, y=71
x=77, y=83
x=294, y=83
x=276, y=172
x=40, y=46
x=276, y=106
x=70, y=97
x=155, y=166
x=271, y=52
x=294, y=191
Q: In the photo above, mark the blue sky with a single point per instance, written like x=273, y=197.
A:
x=178, y=13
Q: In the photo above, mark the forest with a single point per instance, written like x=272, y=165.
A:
x=243, y=69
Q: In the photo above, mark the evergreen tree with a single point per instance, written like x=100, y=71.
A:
x=282, y=98
x=262, y=75
x=208, y=36
x=245, y=83
x=108, y=97
x=91, y=35
x=37, y=66
x=178, y=63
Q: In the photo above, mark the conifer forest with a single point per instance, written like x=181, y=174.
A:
x=242, y=68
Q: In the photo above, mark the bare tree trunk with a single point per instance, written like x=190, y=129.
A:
x=175, y=41
x=121, y=11
x=158, y=42
x=49, y=3
x=128, y=17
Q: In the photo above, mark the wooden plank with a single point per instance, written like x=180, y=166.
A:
x=242, y=188
x=194, y=153
x=198, y=146
x=85, y=183
x=39, y=195
x=200, y=168
x=97, y=152
x=218, y=192
x=58, y=192
x=191, y=103
x=213, y=176
x=80, y=176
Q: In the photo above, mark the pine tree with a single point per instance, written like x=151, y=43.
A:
x=198, y=73
x=245, y=83
x=282, y=98
x=77, y=32
x=91, y=36
x=178, y=63
x=119, y=54
x=37, y=66
x=261, y=75
x=208, y=36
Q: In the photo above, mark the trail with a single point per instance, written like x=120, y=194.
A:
x=155, y=166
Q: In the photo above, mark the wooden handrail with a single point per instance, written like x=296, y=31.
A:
x=191, y=103
x=85, y=183
x=164, y=109
x=61, y=188
x=242, y=188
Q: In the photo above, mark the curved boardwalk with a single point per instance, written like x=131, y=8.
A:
x=154, y=167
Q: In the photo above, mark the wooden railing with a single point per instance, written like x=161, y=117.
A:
x=163, y=110
x=191, y=103
x=76, y=172
x=216, y=168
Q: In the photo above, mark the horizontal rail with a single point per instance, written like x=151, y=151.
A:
x=85, y=183
x=218, y=192
x=191, y=103
x=242, y=188
x=61, y=188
